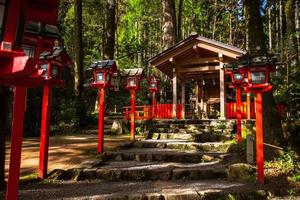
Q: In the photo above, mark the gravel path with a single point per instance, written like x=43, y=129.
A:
x=64, y=151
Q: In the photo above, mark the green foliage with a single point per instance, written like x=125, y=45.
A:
x=287, y=163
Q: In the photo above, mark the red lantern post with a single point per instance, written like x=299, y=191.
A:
x=153, y=89
x=102, y=71
x=258, y=83
x=19, y=65
x=51, y=66
x=133, y=83
x=237, y=81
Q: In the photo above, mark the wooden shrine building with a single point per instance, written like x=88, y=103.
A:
x=200, y=60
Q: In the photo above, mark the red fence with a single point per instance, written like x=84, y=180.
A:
x=163, y=111
x=231, y=110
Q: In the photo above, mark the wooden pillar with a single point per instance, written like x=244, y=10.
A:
x=248, y=106
x=222, y=89
x=197, y=96
x=202, y=98
x=183, y=98
x=174, y=110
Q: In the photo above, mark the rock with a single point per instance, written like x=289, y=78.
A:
x=90, y=173
x=207, y=158
x=117, y=127
x=56, y=174
x=240, y=171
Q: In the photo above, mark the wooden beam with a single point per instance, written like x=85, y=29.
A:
x=198, y=76
x=219, y=50
x=165, y=58
x=199, y=61
x=198, y=69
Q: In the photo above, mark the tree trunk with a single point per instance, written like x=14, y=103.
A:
x=179, y=21
x=270, y=28
x=292, y=49
x=256, y=35
x=281, y=28
x=257, y=45
x=78, y=68
x=168, y=25
x=110, y=29
x=4, y=94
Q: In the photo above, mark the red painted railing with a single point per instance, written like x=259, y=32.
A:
x=163, y=111
x=231, y=110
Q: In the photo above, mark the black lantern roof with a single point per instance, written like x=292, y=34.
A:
x=105, y=64
x=253, y=61
x=58, y=52
x=134, y=72
x=38, y=28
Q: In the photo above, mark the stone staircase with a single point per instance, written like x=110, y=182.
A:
x=172, y=152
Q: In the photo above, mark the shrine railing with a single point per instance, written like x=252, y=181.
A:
x=163, y=111
x=231, y=110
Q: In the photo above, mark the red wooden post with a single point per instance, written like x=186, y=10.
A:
x=13, y=13
x=153, y=105
x=101, y=120
x=16, y=143
x=238, y=114
x=45, y=127
x=259, y=139
x=132, y=117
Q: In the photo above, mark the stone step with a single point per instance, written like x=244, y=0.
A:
x=184, y=145
x=133, y=170
x=167, y=155
x=196, y=137
x=147, y=190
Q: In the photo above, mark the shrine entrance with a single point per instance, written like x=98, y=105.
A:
x=200, y=62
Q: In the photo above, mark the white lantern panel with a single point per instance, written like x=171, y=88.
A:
x=132, y=82
x=100, y=78
x=238, y=77
x=258, y=77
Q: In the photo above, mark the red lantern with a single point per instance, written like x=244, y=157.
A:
x=153, y=84
x=257, y=78
x=153, y=87
x=103, y=72
x=133, y=83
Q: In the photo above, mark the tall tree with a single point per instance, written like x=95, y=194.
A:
x=179, y=20
x=78, y=68
x=110, y=29
x=291, y=47
x=257, y=46
x=169, y=23
x=4, y=95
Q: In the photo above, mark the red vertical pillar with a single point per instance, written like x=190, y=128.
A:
x=238, y=114
x=153, y=105
x=132, y=117
x=259, y=139
x=16, y=143
x=45, y=128
x=101, y=120
x=13, y=15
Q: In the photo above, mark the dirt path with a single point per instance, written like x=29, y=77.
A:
x=64, y=151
